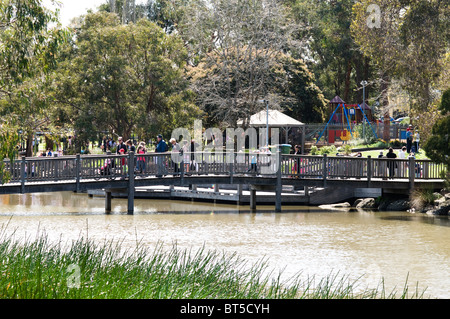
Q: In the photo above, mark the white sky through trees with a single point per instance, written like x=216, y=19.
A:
x=70, y=9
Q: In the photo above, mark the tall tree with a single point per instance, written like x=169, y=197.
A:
x=406, y=40
x=238, y=43
x=331, y=52
x=438, y=145
x=123, y=79
x=28, y=52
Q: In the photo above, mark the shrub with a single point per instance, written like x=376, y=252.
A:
x=420, y=198
x=366, y=134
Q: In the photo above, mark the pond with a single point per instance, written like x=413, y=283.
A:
x=361, y=245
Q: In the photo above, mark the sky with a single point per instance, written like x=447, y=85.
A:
x=74, y=8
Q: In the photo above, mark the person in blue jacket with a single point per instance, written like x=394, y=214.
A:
x=161, y=147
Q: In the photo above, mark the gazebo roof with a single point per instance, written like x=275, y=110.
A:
x=364, y=106
x=336, y=100
x=276, y=119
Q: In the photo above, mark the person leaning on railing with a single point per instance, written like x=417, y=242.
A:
x=391, y=164
x=161, y=147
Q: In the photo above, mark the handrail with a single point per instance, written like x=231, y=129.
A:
x=112, y=166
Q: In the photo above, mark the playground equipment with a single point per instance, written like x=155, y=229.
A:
x=346, y=133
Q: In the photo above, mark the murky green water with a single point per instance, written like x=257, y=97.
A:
x=366, y=245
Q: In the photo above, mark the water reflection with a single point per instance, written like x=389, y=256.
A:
x=315, y=242
x=433, y=220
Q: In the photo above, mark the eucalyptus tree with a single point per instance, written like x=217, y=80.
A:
x=406, y=39
x=437, y=146
x=329, y=49
x=28, y=52
x=127, y=79
x=234, y=47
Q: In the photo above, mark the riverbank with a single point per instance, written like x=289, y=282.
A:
x=421, y=201
x=86, y=270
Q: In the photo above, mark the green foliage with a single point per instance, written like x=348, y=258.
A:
x=420, y=198
x=347, y=148
x=408, y=44
x=9, y=141
x=28, y=47
x=124, y=79
x=365, y=133
x=41, y=269
x=444, y=107
x=308, y=103
x=29, y=50
x=323, y=150
x=338, y=64
x=437, y=146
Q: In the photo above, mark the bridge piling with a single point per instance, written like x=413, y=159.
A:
x=131, y=183
x=279, y=186
x=412, y=171
x=108, y=201
x=22, y=175
x=252, y=198
x=78, y=172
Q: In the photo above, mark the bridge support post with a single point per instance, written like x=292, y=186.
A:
x=78, y=172
x=325, y=170
x=279, y=185
x=22, y=175
x=369, y=171
x=306, y=189
x=412, y=171
x=182, y=173
x=131, y=183
x=252, y=198
x=108, y=201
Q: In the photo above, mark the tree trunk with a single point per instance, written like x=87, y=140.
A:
x=48, y=143
x=385, y=107
x=347, y=82
x=29, y=148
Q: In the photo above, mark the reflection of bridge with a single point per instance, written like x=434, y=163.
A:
x=112, y=173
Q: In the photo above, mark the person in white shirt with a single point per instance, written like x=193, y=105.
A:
x=416, y=140
x=402, y=153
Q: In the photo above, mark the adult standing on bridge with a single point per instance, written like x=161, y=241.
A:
x=416, y=141
x=121, y=146
x=409, y=139
x=161, y=147
x=175, y=148
x=130, y=146
x=391, y=164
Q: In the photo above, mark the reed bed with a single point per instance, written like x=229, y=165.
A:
x=82, y=269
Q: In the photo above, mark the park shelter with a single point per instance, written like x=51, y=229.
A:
x=277, y=119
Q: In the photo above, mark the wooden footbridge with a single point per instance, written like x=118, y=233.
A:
x=123, y=173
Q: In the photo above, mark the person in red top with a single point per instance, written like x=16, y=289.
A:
x=140, y=159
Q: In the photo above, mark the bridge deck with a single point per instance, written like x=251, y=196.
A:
x=83, y=173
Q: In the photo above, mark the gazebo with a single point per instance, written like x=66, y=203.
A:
x=276, y=119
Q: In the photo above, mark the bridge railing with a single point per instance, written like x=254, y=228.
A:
x=358, y=167
x=39, y=169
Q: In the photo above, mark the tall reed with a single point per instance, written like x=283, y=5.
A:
x=37, y=268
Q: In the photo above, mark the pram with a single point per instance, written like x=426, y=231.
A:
x=108, y=168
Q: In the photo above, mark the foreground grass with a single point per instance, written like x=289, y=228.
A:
x=83, y=269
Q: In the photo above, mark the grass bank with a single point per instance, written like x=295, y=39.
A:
x=38, y=269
